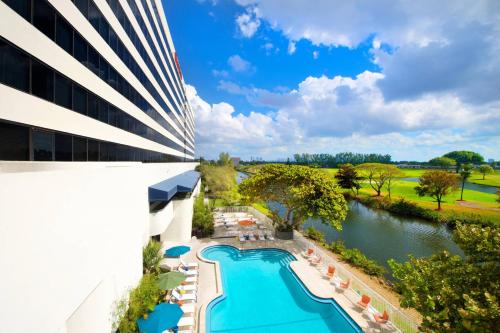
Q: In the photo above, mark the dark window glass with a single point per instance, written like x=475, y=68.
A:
x=112, y=115
x=14, y=67
x=104, y=29
x=63, y=147
x=93, y=150
x=64, y=35
x=103, y=151
x=79, y=149
x=93, y=109
x=112, y=77
x=103, y=111
x=22, y=7
x=93, y=60
x=80, y=48
x=44, y=18
x=94, y=15
x=103, y=69
x=42, y=81
x=63, y=91
x=83, y=6
x=79, y=99
x=43, y=145
x=14, y=142
x=112, y=39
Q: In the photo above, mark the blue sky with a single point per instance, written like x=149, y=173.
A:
x=272, y=78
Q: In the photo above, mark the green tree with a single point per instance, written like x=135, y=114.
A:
x=203, y=220
x=393, y=174
x=485, y=169
x=443, y=162
x=452, y=293
x=436, y=184
x=221, y=182
x=465, y=173
x=302, y=191
x=348, y=178
x=378, y=174
x=151, y=257
x=224, y=159
x=464, y=157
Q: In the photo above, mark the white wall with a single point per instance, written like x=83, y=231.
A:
x=71, y=236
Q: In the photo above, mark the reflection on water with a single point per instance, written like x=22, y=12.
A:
x=381, y=235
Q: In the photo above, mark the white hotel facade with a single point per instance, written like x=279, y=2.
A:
x=96, y=157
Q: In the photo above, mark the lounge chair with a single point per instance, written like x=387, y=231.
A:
x=308, y=253
x=183, y=297
x=191, y=279
x=189, y=265
x=187, y=287
x=330, y=272
x=242, y=238
x=364, y=302
x=189, y=272
x=345, y=284
x=188, y=308
x=316, y=260
x=252, y=238
x=269, y=237
x=186, y=321
x=261, y=237
x=381, y=319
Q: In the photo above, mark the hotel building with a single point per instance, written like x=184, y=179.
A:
x=96, y=157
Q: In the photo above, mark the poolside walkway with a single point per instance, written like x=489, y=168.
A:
x=210, y=283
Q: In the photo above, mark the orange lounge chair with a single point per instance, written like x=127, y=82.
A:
x=364, y=302
x=308, y=253
x=381, y=319
x=331, y=271
x=345, y=284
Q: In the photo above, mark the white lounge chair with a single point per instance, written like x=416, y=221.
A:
x=261, y=237
x=189, y=272
x=269, y=237
x=186, y=321
x=187, y=287
x=242, y=238
x=188, y=308
x=192, y=279
x=189, y=265
x=183, y=297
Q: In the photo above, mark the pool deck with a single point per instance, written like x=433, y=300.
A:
x=210, y=283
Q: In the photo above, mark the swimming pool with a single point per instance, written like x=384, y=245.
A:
x=262, y=294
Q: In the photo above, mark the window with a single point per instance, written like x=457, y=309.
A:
x=63, y=91
x=44, y=18
x=79, y=149
x=94, y=15
x=103, y=111
x=103, y=151
x=64, y=35
x=14, y=142
x=93, y=109
x=112, y=39
x=22, y=7
x=14, y=67
x=104, y=29
x=93, y=150
x=103, y=69
x=83, y=6
x=42, y=81
x=63, y=147
x=79, y=99
x=112, y=115
x=43, y=145
x=93, y=60
x=80, y=48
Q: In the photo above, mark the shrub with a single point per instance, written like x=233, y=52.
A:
x=357, y=258
x=315, y=234
x=203, y=220
x=142, y=300
x=151, y=257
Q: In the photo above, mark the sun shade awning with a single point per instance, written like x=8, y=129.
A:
x=164, y=191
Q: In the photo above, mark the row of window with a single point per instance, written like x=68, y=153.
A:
x=23, y=143
x=127, y=26
x=45, y=18
x=21, y=71
x=90, y=11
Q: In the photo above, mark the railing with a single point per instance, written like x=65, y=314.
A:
x=400, y=320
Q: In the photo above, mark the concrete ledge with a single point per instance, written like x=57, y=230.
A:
x=309, y=276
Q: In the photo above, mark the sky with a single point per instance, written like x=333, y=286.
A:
x=271, y=78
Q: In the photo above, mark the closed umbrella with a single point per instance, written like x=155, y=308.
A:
x=165, y=316
x=170, y=280
x=177, y=251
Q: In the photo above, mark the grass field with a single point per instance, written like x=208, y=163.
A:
x=491, y=180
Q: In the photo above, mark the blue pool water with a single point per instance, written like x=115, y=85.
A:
x=262, y=294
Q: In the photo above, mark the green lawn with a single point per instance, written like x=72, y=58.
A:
x=491, y=180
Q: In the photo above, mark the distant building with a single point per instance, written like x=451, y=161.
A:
x=490, y=160
x=236, y=161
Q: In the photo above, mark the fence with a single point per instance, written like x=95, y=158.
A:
x=379, y=303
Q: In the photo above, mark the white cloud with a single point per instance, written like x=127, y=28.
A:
x=220, y=73
x=315, y=54
x=248, y=22
x=238, y=64
x=292, y=47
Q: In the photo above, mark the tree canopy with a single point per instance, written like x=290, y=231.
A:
x=332, y=161
x=465, y=173
x=455, y=294
x=302, y=191
x=347, y=177
x=464, y=157
x=221, y=182
x=224, y=159
x=437, y=184
x=485, y=169
x=378, y=174
x=443, y=162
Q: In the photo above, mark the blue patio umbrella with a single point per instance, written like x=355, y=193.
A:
x=177, y=251
x=165, y=316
